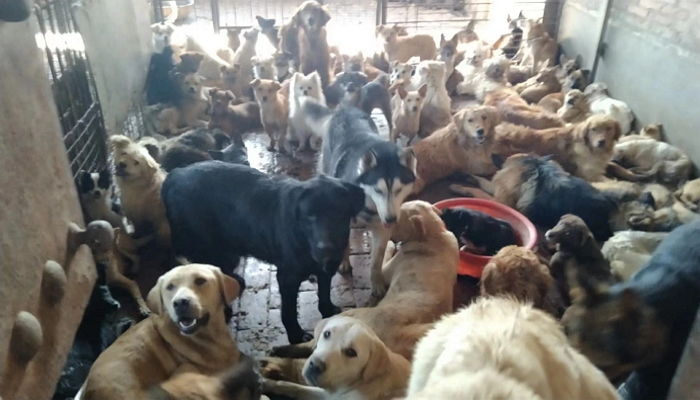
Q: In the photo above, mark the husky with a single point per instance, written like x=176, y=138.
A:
x=354, y=152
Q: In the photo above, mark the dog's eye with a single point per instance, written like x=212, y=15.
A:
x=470, y=120
x=170, y=286
x=200, y=281
x=136, y=163
x=326, y=334
x=350, y=352
x=483, y=117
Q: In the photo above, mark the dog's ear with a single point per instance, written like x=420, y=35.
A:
x=369, y=161
x=648, y=199
x=229, y=286
x=521, y=15
x=423, y=90
x=316, y=77
x=325, y=15
x=618, y=131
x=442, y=40
x=418, y=226
x=563, y=59
x=105, y=178
x=377, y=362
x=119, y=141
x=508, y=19
x=229, y=95
x=154, y=298
x=255, y=82
x=402, y=92
x=84, y=180
x=493, y=116
x=408, y=159
x=458, y=119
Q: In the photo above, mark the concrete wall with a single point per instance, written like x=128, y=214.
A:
x=651, y=59
x=117, y=39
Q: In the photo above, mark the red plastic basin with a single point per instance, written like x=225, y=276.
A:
x=473, y=264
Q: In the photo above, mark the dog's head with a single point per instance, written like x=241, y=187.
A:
x=325, y=220
x=570, y=233
x=548, y=76
x=475, y=54
x=190, y=61
x=263, y=67
x=596, y=89
x=311, y=16
x=518, y=272
x=347, y=352
x=265, y=24
x=251, y=35
x=234, y=154
x=612, y=326
x=190, y=84
x=191, y=295
x=233, y=35
x=412, y=102
x=519, y=22
x=637, y=214
x=307, y=85
x=229, y=74
x=576, y=80
x=401, y=71
x=418, y=221
x=448, y=48
x=575, y=99
x=389, y=33
x=220, y=99
x=476, y=125
x=353, y=63
x=94, y=186
x=431, y=72
x=689, y=195
x=599, y=132
x=569, y=65
x=265, y=90
x=162, y=34
x=387, y=175
x=131, y=160
x=652, y=131
x=495, y=68
x=281, y=64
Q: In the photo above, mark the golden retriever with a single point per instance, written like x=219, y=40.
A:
x=583, y=150
x=349, y=361
x=498, y=348
x=310, y=19
x=188, y=333
x=515, y=110
x=139, y=178
x=465, y=145
x=402, y=47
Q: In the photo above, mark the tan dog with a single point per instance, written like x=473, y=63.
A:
x=546, y=82
x=538, y=47
x=139, y=179
x=583, y=150
x=421, y=273
x=436, y=110
x=234, y=120
x=274, y=109
x=649, y=131
x=402, y=48
x=465, y=145
x=575, y=107
x=310, y=19
x=188, y=334
x=515, y=110
x=349, y=361
x=190, y=110
x=498, y=348
x=669, y=164
x=406, y=109
x=518, y=272
x=243, y=64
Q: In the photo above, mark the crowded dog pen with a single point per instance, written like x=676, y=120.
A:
x=356, y=200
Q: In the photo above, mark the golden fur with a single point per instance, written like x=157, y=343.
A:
x=546, y=82
x=515, y=110
x=190, y=110
x=274, y=109
x=575, y=107
x=583, y=149
x=310, y=19
x=155, y=349
x=243, y=64
x=402, y=48
x=552, y=102
x=458, y=147
x=498, y=348
x=139, y=179
x=234, y=120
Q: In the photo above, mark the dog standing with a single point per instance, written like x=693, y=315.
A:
x=401, y=48
x=243, y=64
x=234, y=120
x=436, y=110
x=306, y=94
x=311, y=18
x=406, y=108
x=274, y=110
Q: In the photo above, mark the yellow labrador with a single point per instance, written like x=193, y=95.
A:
x=348, y=363
x=188, y=333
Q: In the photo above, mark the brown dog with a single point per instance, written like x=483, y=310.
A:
x=402, y=48
x=310, y=19
x=546, y=82
x=583, y=150
x=234, y=120
x=518, y=272
x=465, y=145
x=515, y=110
x=188, y=333
x=274, y=108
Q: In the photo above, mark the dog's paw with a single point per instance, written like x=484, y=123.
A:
x=274, y=368
x=345, y=268
x=378, y=292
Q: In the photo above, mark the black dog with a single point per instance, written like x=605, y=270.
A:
x=486, y=233
x=335, y=92
x=372, y=95
x=219, y=212
x=160, y=85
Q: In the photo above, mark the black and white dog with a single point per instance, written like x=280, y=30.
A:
x=354, y=152
x=95, y=189
x=219, y=212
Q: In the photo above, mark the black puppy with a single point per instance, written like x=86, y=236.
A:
x=486, y=233
x=220, y=212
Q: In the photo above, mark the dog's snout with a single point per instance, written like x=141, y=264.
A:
x=316, y=367
x=305, y=92
x=121, y=165
x=264, y=98
x=480, y=132
x=182, y=304
x=548, y=236
x=415, y=108
x=390, y=220
x=571, y=102
x=311, y=21
x=601, y=143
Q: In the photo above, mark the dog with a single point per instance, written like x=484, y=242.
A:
x=406, y=108
x=655, y=159
x=349, y=361
x=480, y=233
x=575, y=107
x=243, y=64
x=540, y=189
x=139, y=179
x=274, y=108
x=301, y=227
x=539, y=48
x=402, y=48
x=358, y=63
x=437, y=104
x=269, y=30
x=421, y=272
x=310, y=19
x=187, y=148
x=233, y=153
x=282, y=66
x=160, y=85
x=641, y=325
x=650, y=131
x=577, y=252
x=306, y=92
x=336, y=92
x=402, y=72
x=353, y=152
x=499, y=348
x=465, y=145
x=519, y=273
x=263, y=67
x=601, y=103
x=233, y=36
x=471, y=67
x=190, y=62
x=583, y=150
x=371, y=95
x=546, y=82
x=628, y=251
x=188, y=112
x=234, y=120
x=491, y=77
x=515, y=110
x=95, y=190
x=187, y=332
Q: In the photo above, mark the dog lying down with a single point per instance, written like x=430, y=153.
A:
x=498, y=348
x=349, y=361
x=478, y=232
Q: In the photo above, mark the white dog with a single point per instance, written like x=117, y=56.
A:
x=263, y=67
x=491, y=77
x=436, y=106
x=498, y=348
x=303, y=90
x=600, y=103
x=628, y=251
x=243, y=58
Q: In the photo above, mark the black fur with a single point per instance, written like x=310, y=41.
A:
x=220, y=212
x=335, y=92
x=233, y=153
x=484, y=231
x=190, y=147
x=160, y=85
x=558, y=193
x=670, y=284
x=370, y=96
